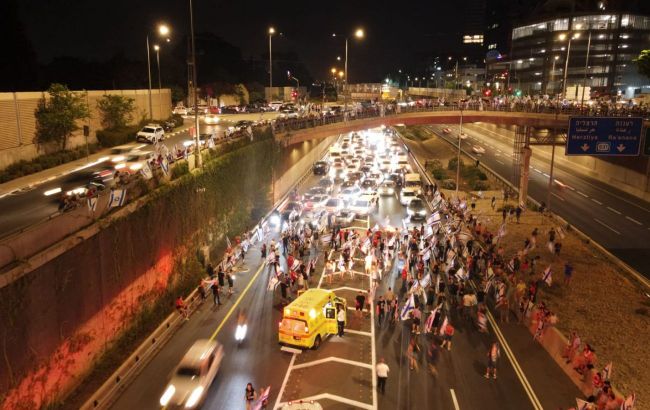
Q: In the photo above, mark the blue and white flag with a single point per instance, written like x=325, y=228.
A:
x=92, y=203
x=146, y=171
x=228, y=244
x=260, y=233
x=434, y=218
x=118, y=196
x=629, y=402
x=462, y=274
x=164, y=164
x=581, y=404
x=607, y=371
x=425, y=281
x=547, y=276
x=407, y=308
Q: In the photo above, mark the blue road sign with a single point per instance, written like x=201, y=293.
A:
x=605, y=136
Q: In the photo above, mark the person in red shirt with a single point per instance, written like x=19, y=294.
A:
x=448, y=333
x=182, y=308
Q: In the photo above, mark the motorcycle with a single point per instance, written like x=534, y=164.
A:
x=241, y=329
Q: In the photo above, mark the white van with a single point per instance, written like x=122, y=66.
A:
x=412, y=182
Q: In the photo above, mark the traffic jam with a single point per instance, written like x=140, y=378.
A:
x=361, y=170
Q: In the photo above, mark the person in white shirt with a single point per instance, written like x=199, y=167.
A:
x=382, y=374
x=340, y=318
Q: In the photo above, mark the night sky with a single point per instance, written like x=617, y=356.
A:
x=397, y=33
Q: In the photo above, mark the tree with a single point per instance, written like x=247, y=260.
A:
x=56, y=116
x=643, y=63
x=116, y=111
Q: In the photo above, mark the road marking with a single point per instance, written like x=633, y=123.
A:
x=607, y=226
x=614, y=210
x=284, y=382
x=596, y=201
x=500, y=162
x=453, y=398
x=634, y=220
x=332, y=359
x=557, y=196
x=538, y=170
x=332, y=397
x=546, y=175
x=583, y=194
x=515, y=365
x=358, y=332
x=239, y=299
x=290, y=350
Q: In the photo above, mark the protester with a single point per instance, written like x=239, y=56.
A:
x=382, y=370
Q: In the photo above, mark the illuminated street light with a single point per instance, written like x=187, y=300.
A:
x=271, y=32
x=163, y=30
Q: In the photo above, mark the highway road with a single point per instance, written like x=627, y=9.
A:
x=24, y=208
x=340, y=373
x=617, y=220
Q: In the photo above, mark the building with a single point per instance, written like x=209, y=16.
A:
x=473, y=28
x=592, y=49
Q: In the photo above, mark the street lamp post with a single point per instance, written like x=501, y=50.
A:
x=271, y=32
x=198, y=160
x=163, y=30
x=358, y=34
x=157, y=48
x=566, y=62
x=584, y=81
x=460, y=131
x=553, y=74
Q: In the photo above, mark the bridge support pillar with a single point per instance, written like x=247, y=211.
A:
x=526, y=153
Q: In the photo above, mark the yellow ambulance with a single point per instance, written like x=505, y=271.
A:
x=310, y=318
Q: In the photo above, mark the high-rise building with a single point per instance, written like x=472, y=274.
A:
x=473, y=28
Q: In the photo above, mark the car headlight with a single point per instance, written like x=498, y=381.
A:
x=422, y=212
x=135, y=167
x=194, y=397
x=120, y=166
x=167, y=395
x=119, y=158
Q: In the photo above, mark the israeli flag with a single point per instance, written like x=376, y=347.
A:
x=434, y=218
x=92, y=204
x=118, y=196
x=462, y=274
x=607, y=371
x=228, y=244
x=581, y=404
x=407, y=308
x=260, y=233
x=165, y=165
x=425, y=281
x=146, y=171
x=547, y=276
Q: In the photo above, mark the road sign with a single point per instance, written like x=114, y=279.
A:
x=646, y=147
x=604, y=136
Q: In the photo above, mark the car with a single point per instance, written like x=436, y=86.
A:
x=403, y=166
x=397, y=178
x=327, y=184
x=151, y=133
x=292, y=211
x=229, y=109
x=319, y=201
x=334, y=156
x=462, y=136
x=344, y=217
x=211, y=119
x=387, y=188
x=357, y=176
x=193, y=376
x=350, y=193
x=369, y=185
x=134, y=161
x=179, y=110
x=416, y=209
x=477, y=149
x=366, y=169
x=333, y=205
x=118, y=154
x=243, y=124
x=275, y=105
x=313, y=191
x=363, y=206
x=385, y=166
x=321, y=168
x=288, y=113
x=349, y=183
x=406, y=196
x=446, y=130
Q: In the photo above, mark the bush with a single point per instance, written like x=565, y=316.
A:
x=480, y=186
x=42, y=162
x=180, y=169
x=111, y=138
x=178, y=119
x=452, y=164
x=438, y=173
x=449, y=184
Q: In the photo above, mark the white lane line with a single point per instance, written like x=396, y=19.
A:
x=596, y=201
x=614, y=210
x=453, y=398
x=538, y=170
x=546, y=175
x=333, y=397
x=634, y=220
x=331, y=359
x=607, y=226
x=500, y=162
x=583, y=194
x=557, y=196
x=284, y=382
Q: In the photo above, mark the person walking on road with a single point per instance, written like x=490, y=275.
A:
x=360, y=302
x=382, y=375
x=493, y=355
x=231, y=282
x=381, y=310
x=215, y=293
x=250, y=396
x=447, y=335
x=340, y=318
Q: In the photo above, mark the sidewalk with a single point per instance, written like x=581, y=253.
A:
x=38, y=178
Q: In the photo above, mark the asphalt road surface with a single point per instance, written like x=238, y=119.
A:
x=617, y=220
x=25, y=208
x=340, y=373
